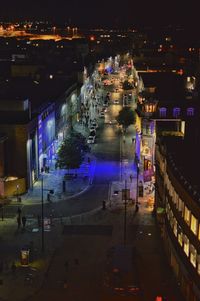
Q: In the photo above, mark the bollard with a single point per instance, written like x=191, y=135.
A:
x=63, y=186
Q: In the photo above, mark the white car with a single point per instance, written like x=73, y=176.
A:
x=116, y=101
x=102, y=115
x=92, y=128
x=91, y=140
x=94, y=124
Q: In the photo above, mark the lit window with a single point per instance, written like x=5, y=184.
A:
x=186, y=245
x=198, y=269
x=176, y=112
x=194, y=224
x=193, y=256
x=199, y=232
x=190, y=111
x=187, y=215
x=180, y=206
x=175, y=228
x=180, y=237
x=162, y=112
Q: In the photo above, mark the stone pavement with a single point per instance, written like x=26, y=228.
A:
x=77, y=272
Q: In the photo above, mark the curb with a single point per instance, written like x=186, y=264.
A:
x=23, y=203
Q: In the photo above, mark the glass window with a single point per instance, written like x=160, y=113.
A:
x=180, y=238
x=194, y=224
x=187, y=215
x=180, y=205
x=193, y=256
x=190, y=111
x=162, y=112
x=176, y=112
x=175, y=228
x=186, y=245
x=199, y=232
x=198, y=268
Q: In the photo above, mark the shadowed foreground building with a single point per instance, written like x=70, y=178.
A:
x=178, y=206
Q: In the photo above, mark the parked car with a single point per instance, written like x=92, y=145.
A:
x=113, y=121
x=92, y=133
x=93, y=128
x=102, y=114
x=116, y=101
x=121, y=274
x=94, y=124
x=91, y=140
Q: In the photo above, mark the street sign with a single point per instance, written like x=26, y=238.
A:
x=47, y=224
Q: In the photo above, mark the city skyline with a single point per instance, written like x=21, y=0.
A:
x=89, y=13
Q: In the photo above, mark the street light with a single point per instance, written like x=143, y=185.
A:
x=42, y=211
x=125, y=198
x=138, y=169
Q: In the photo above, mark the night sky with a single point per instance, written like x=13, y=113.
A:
x=104, y=12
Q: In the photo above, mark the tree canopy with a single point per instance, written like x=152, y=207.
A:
x=126, y=117
x=127, y=85
x=72, y=151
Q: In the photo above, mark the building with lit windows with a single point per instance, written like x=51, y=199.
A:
x=177, y=207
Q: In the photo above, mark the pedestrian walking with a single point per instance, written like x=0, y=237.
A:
x=19, y=211
x=131, y=177
x=13, y=268
x=136, y=207
x=19, y=221
x=24, y=221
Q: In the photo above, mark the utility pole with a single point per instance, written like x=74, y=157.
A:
x=137, y=192
x=125, y=199
x=42, y=215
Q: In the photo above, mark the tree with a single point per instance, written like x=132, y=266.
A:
x=72, y=151
x=126, y=117
x=127, y=85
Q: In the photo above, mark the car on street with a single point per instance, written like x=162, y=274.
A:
x=93, y=133
x=94, y=124
x=91, y=140
x=102, y=114
x=116, y=101
x=93, y=129
x=113, y=121
x=121, y=275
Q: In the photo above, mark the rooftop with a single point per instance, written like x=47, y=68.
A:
x=185, y=164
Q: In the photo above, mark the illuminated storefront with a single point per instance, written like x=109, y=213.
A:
x=46, y=136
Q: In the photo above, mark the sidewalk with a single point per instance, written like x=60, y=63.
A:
x=54, y=181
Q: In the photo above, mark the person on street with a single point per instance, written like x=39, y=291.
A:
x=24, y=221
x=13, y=268
x=19, y=221
x=19, y=211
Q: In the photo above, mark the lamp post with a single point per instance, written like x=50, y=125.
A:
x=137, y=166
x=17, y=186
x=125, y=196
x=42, y=212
